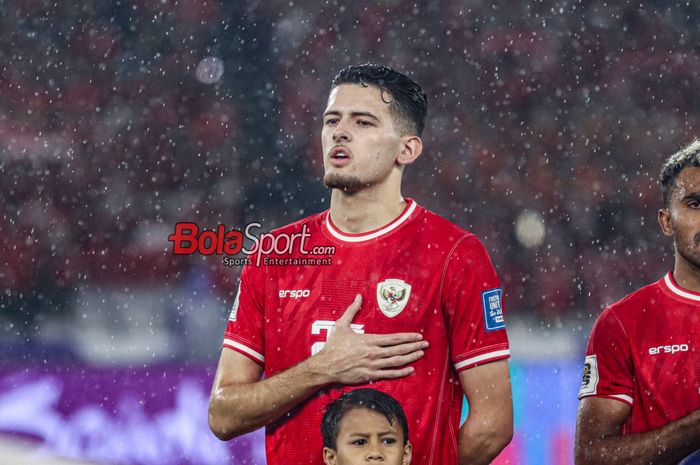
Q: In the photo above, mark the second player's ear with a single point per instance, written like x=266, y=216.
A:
x=664, y=217
x=407, y=453
x=411, y=148
x=329, y=456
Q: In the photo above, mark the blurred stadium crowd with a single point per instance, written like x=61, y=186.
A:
x=547, y=128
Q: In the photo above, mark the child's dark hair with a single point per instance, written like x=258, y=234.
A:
x=365, y=398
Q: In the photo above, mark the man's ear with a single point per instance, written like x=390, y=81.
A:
x=411, y=148
x=407, y=453
x=664, y=217
x=329, y=456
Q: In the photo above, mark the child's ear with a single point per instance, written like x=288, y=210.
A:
x=329, y=456
x=407, y=452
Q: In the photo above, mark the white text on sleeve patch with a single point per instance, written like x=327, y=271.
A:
x=234, y=310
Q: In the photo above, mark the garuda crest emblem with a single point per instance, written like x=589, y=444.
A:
x=392, y=296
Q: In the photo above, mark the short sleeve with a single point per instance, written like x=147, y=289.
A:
x=245, y=331
x=473, y=306
x=607, y=370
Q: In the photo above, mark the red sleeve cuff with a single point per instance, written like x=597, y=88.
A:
x=244, y=349
x=620, y=397
x=491, y=355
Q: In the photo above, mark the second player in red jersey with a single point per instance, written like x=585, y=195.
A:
x=642, y=352
x=410, y=305
x=641, y=385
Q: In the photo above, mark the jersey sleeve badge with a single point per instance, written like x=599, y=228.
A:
x=589, y=384
x=493, y=309
x=234, y=309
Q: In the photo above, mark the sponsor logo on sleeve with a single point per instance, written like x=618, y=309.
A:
x=493, y=309
x=234, y=310
x=589, y=384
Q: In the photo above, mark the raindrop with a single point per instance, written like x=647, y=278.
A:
x=529, y=229
x=210, y=70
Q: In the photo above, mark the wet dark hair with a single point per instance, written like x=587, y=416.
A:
x=687, y=156
x=409, y=105
x=365, y=398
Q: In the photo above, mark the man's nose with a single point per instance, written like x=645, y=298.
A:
x=341, y=133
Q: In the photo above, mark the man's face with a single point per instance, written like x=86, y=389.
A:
x=682, y=218
x=366, y=436
x=359, y=137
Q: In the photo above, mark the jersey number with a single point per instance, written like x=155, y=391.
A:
x=328, y=326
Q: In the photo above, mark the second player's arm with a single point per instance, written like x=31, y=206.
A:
x=241, y=402
x=489, y=425
x=599, y=441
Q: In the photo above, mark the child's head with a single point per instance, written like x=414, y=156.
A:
x=365, y=426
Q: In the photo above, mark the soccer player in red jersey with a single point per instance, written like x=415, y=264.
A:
x=640, y=397
x=410, y=305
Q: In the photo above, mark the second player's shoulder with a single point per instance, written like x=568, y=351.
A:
x=640, y=300
x=627, y=310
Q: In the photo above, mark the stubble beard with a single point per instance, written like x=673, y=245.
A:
x=344, y=183
x=689, y=251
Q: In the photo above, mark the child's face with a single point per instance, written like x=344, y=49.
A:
x=365, y=436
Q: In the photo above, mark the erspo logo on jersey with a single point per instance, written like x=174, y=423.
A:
x=189, y=239
x=669, y=349
x=294, y=293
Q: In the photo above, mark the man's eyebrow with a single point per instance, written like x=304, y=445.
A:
x=353, y=114
x=692, y=195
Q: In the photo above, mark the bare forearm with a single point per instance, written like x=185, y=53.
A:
x=237, y=409
x=489, y=425
x=664, y=446
x=481, y=446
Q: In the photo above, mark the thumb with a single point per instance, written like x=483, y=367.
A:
x=350, y=312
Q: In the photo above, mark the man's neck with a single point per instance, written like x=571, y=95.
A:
x=363, y=211
x=686, y=274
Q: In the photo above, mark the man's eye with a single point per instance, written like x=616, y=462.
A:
x=364, y=124
x=694, y=204
x=331, y=121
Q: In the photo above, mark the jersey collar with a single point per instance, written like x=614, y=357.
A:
x=677, y=290
x=366, y=236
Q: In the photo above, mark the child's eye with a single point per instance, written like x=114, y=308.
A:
x=389, y=441
x=359, y=442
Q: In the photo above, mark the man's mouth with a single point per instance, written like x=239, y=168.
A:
x=340, y=156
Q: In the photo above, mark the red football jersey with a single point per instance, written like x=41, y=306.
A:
x=419, y=273
x=643, y=352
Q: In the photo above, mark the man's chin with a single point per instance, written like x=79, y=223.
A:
x=344, y=183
